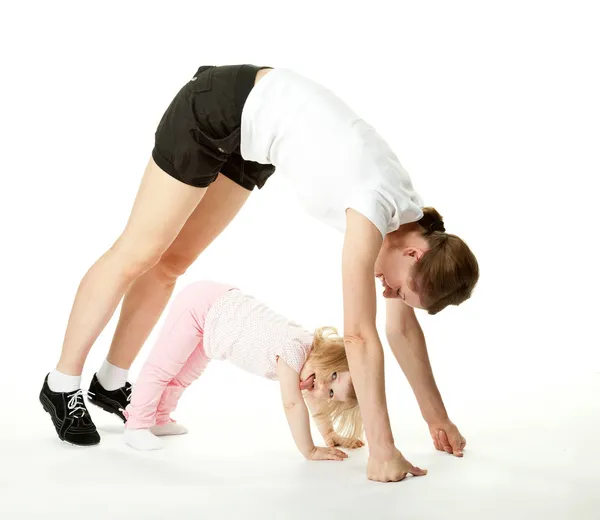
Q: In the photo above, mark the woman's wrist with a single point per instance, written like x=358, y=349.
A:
x=383, y=451
x=382, y=446
x=436, y=419
x=435, y=414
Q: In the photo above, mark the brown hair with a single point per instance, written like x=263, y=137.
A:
x=448, y=272
x=328, y=355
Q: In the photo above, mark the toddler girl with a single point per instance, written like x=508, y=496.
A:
x=210, y=320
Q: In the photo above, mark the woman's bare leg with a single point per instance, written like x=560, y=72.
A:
x=161, y=208
x=147, y=297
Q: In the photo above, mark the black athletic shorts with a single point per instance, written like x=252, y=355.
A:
x=199, y=134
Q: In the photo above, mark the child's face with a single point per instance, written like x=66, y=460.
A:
x=334, y=386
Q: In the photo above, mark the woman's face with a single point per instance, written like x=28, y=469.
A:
x=393, y=268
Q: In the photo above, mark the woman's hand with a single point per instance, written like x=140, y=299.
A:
x=333, y=439
x=318, y=453
x=446, y=437
x=392, y=469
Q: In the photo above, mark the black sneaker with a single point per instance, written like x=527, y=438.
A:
x=112, y=401
x=70, y=416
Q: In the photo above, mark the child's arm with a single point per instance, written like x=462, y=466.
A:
x=297, y=416
x=326, y=429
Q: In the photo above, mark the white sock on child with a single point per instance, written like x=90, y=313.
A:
x=143, y=440
x=59, y=382
x=112, y=377
x=170, y=428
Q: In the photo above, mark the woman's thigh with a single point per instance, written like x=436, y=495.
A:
x=162, y=207
x=221, y=203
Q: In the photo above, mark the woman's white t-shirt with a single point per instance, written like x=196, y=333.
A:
x=332, y=157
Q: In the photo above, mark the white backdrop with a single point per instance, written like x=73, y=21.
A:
x=493, y=108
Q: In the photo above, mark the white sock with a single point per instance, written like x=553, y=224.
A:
x=59, y=382
x=112, y=377
x=142, y=440
x=170, y=428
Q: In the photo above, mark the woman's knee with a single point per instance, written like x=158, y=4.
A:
x=134, y=260
x=173, y=265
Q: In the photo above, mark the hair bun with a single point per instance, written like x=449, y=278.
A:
x=432, y=221
x=437, y=225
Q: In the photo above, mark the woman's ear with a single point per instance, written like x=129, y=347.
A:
x=413, y=252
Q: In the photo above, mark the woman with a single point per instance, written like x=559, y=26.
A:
x=223, y=134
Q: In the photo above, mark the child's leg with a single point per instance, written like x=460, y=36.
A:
x=192, y=370
x=181, y=334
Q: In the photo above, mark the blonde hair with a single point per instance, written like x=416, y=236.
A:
x=328, y=355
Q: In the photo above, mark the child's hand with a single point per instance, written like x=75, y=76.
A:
x=333, y=439
x=318, y=453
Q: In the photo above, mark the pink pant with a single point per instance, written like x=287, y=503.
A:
x=177, y=359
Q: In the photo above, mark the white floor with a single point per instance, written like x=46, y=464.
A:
x=533, y=452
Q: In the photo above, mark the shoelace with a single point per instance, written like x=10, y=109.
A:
x=76, y=403
x=123, y=411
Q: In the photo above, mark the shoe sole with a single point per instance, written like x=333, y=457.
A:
x=48, y=408
x=106, y=408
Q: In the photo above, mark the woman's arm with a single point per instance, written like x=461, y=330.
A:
x=365, y=354
x=297, y=416
x=363, y=347
x=407, y=341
